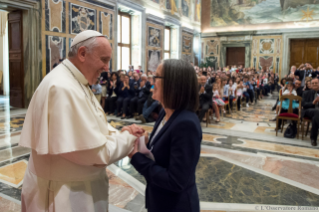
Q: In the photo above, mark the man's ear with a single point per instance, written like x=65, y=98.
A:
x=82, y=53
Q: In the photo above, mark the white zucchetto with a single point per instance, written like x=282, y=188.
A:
x=85, y=35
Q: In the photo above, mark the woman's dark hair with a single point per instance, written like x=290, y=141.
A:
x=180, y=85
x=282, y=81
x=291, y=84
x=116, y=74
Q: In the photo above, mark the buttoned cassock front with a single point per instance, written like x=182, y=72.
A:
x=71, y=143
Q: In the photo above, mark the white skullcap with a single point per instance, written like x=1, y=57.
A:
x=85, y=35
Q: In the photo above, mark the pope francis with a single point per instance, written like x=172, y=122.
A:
x=71, y=141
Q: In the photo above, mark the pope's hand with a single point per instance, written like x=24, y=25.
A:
x=134, y=130
x=135, y=150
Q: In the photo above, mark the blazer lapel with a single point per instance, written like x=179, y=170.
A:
x=160, y=117
x=165, y=127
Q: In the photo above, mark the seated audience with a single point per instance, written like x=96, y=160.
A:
x=310, y=104
x=113, y=89
x=150, y=107
x=97, y=90
x=205, y=97
x=125, y=94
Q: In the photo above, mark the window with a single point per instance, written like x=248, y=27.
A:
x=167, y=49
x=124, y=41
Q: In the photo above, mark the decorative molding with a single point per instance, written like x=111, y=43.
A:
x=154, y=19
x=21, y=4
x=187, y=30
x=173, y=21
x=131, y=5
x=100, y=3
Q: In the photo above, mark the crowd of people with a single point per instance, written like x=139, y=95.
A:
x=219, y=89
x=128, y=93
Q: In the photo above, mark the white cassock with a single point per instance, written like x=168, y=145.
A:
x=71, y=143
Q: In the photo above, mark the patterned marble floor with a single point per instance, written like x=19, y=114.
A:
x=243, y=167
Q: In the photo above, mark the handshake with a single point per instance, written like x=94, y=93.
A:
x=138, y=132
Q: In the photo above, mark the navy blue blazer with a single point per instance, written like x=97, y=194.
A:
x=171, y=181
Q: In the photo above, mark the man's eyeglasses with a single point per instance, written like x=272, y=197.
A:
x=157, y=77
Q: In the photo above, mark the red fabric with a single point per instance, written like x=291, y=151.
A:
x=226, y=102
x=290, y=115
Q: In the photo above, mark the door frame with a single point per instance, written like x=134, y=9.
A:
x=227, y=54
x=287, y=37
x=31, y=13
x=224, y=45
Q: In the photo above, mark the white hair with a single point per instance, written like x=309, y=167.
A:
x=90, y=44
x=144, y=75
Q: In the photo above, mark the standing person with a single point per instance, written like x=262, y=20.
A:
x=205, y=97
x=175, y=142
x=70, y=139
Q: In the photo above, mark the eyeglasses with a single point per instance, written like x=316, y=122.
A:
x=157, y=77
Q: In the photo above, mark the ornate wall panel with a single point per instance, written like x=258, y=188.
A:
x=64, y=19
x=154, y=44
x=267, y=52
x=187, y=46
x=211, y=51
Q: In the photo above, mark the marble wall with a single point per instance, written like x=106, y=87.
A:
x=64, y=19
x=267, y=51
x=211, y=51
x=154, y=44
x=261, y=51
x=187, y=46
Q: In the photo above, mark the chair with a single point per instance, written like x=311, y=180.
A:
x=208, y=115
x=227, y=104
x=235, y=100
x=305, y=121
x=289, y=115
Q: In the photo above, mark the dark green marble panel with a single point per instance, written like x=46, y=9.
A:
x=224, y=182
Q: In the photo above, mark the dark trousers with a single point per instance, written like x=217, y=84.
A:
x=247, y=95
x=133, y=105
x=110, y=103
x=272, y=87
x=295, y=111
x=231, y=98
x=313, y=114
x=266, y=90
x=140, y=104
x=258, y=92
x=251, y=95
x=148, y=109
x=238, y=103
x=126, y=103
x=203, y=110
x=122, y=104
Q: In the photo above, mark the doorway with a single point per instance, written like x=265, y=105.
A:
x=304, y=51
x=235, y=56
x=16, y=71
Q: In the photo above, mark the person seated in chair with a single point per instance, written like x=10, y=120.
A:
x=205, y=97
x=310, y=104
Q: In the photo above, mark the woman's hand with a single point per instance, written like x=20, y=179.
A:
x=134, y=130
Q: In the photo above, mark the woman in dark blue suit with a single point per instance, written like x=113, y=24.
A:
x=175, y=142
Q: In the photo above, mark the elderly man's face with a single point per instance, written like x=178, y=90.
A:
x=203, y=80
x=315, y=84
x=297, y=84
x=95, y=62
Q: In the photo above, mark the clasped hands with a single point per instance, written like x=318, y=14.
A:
x=138, y=132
